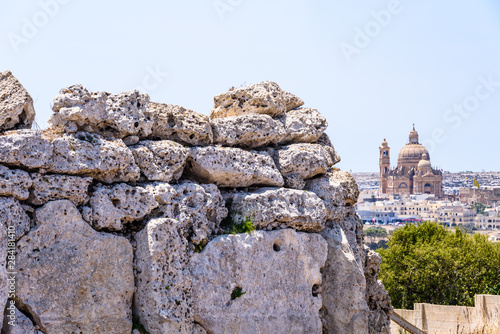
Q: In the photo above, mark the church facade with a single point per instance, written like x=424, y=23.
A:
x=414, y=173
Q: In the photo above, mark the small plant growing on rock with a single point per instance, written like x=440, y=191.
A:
x=245, y=226
x=237, y=293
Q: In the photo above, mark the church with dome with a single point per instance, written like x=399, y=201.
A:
x=414, y=173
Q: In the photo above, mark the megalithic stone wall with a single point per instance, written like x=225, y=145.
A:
x=122, y=216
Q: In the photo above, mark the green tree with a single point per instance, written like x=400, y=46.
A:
x=375, y=232
x=429, y=264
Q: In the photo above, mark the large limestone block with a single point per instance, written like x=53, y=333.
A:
x=163, y=300
x=265, y=282
x=233, y=167
x=115, y=115
x=200, y=207
x=292, y=101
x=247, y=131
x=261, y=98
x=160, y=160
x=343, y=287
x=180, y=124
x=14, y=216
x=301, y=160
x=304, y=125
x=48, y=187
x=352, y=226
x=337, y=189
x=14, y=182
x=272, y=208
x=25, y=148
x=73, y=279
x=88, y=154
x=113, y=206
x=16, y=104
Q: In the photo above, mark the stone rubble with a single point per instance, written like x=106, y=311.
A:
x=120, y=213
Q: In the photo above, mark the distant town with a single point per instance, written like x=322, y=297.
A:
x=414, y=191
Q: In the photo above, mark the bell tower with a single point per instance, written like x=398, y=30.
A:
x=385, y=165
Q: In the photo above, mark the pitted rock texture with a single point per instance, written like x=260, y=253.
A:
x=343, y=286
x=26, y=149
x=261, y=98
x=331, y=155
x=14, y=182
x=304, y=125
x=377, y=297
x=337, y=189
x=272, y=208
x=162, y=160
x=16, y=105
x=114, y=206
x=233, y=167
x=180, y=124
x=163, y=300
x=72, y=278
x=48, y=187
x=302, y=160
x=13, y=215
x=239, y=286
x=200, y=207
x=107, y=114
x=292, y=101
x=88, y=154
x=247, y=131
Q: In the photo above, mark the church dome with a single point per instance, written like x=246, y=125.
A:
x=412, y=153
x=384, y=143
x=424, y=164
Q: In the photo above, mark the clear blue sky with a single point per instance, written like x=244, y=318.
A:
x=423, y=58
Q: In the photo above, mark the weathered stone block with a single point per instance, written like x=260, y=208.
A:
x=16, y=104
x=264, y=282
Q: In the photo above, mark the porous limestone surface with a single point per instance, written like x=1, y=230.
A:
x=113, y=206
x=163, y=300
x=304, y=125
x=247, y=131
x=331, y=155
x=302, y=160
x=261, y=98
x=48, y=187
x=292, y=101
x=25, y=149
x=272, y=208
x=343, y=286
x=263, y=282
x=180, y=124
x=200, y=207
x=337, y=189
x=162, y=160
x=14, y=182
x=13, y=215
x=88, y=154
x=72, y=279
x=16, y=104
x=114, y=115
x=233, y=167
